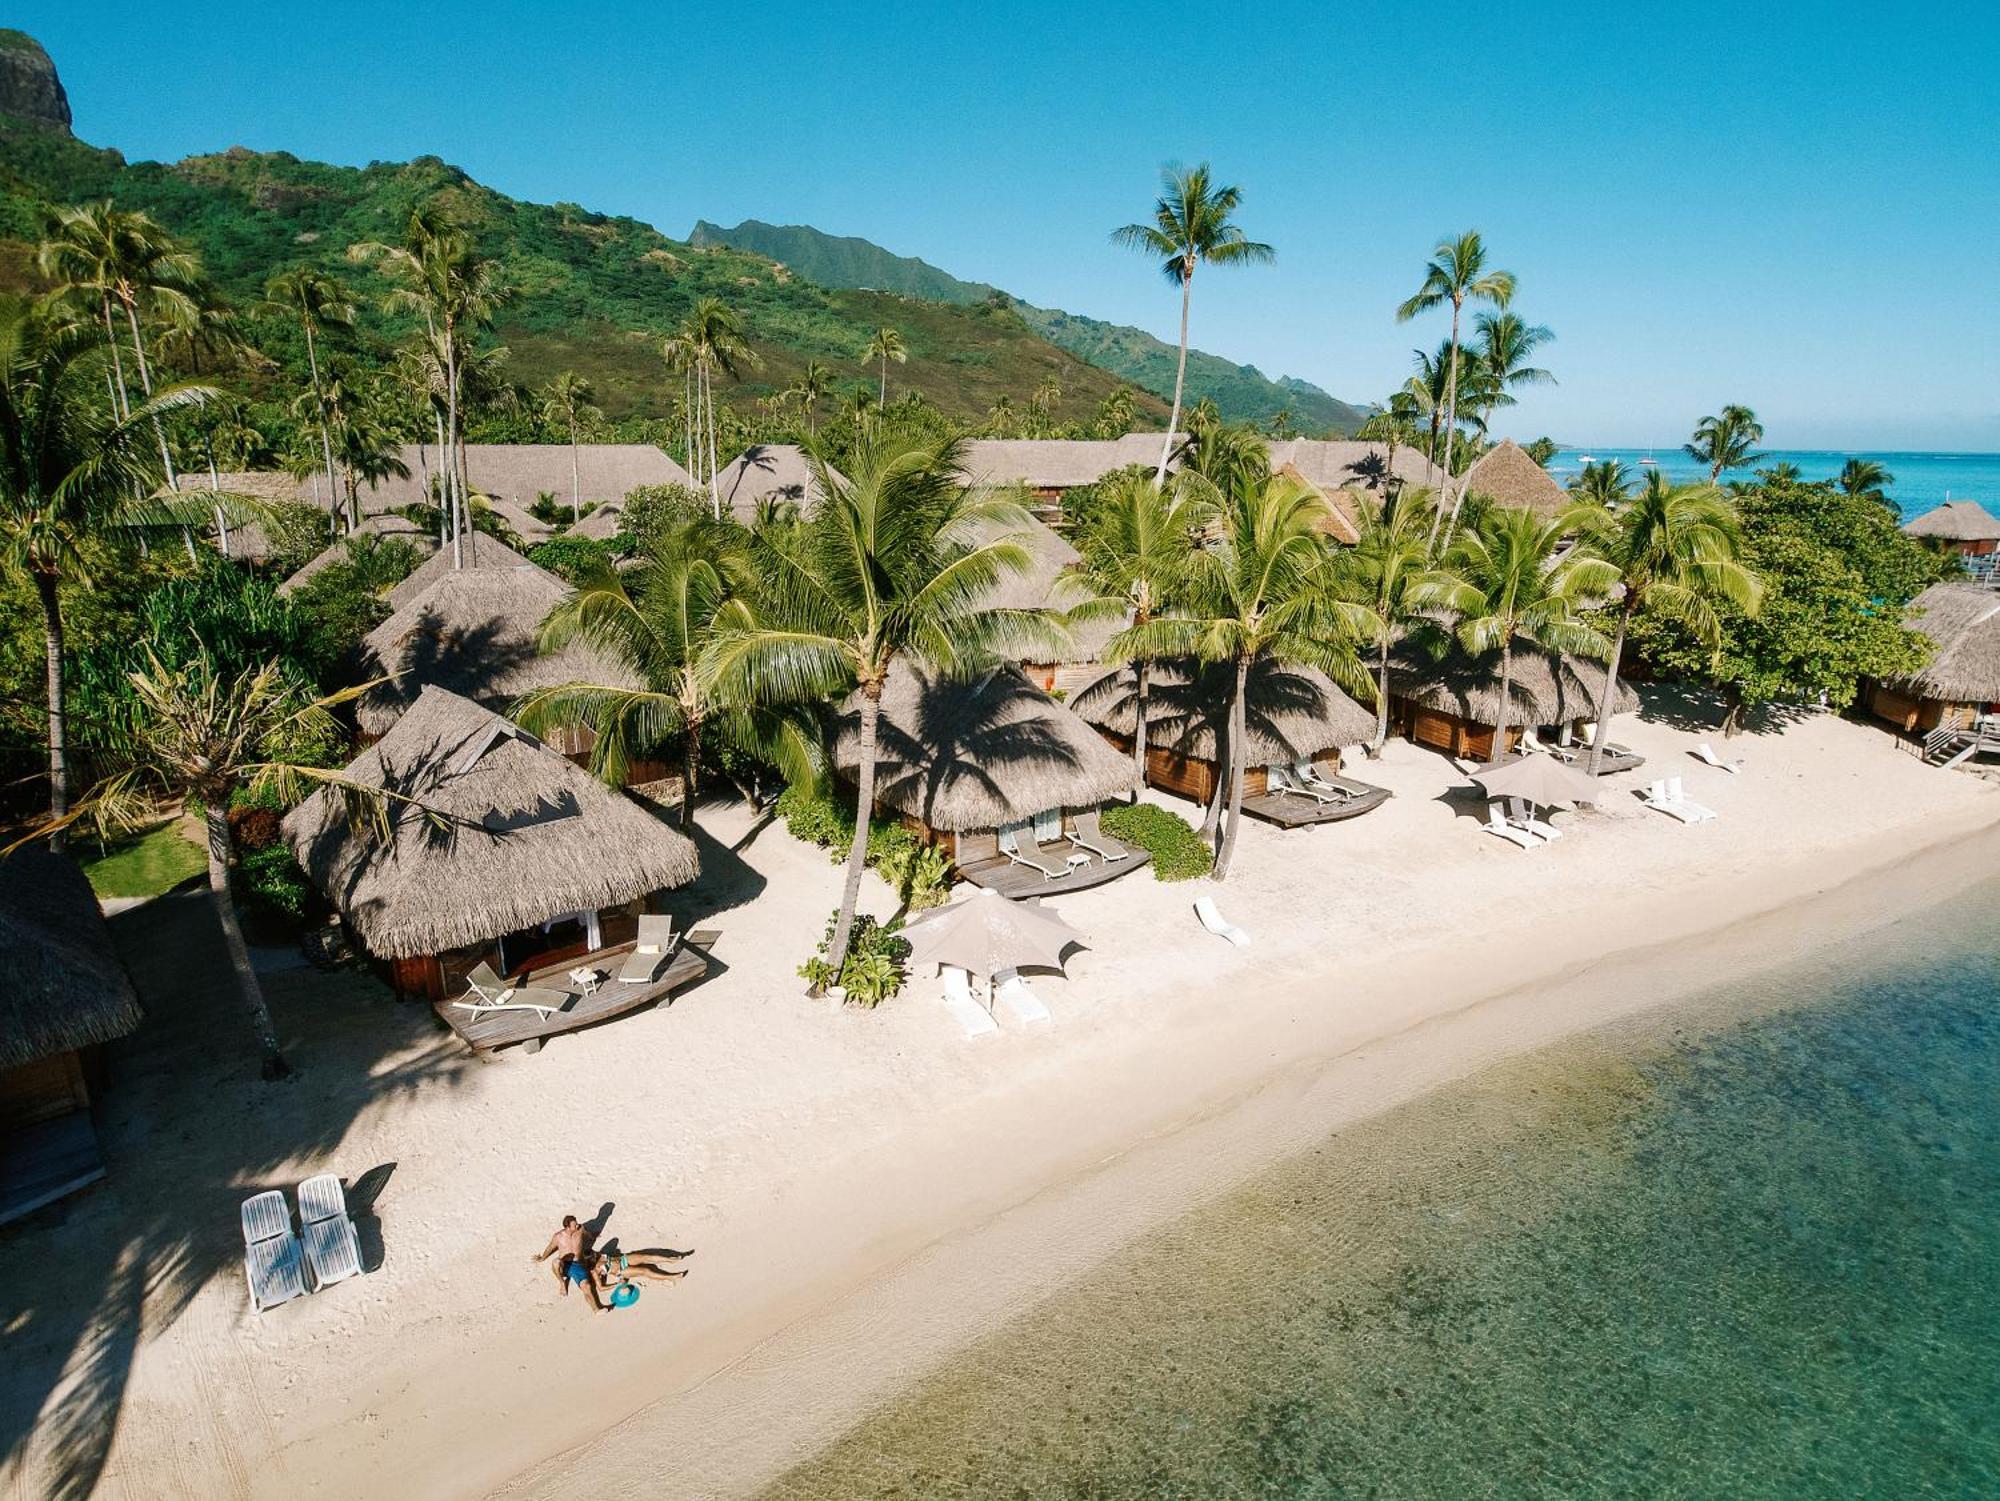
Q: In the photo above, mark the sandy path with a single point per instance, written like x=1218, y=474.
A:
x=814, y=1157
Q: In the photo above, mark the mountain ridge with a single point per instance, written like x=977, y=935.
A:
x=1241, y=392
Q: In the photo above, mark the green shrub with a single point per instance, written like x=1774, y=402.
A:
x=270, y=878
x=1177, y=850
x=919, y=873
x=873, y=970
x=572, y=559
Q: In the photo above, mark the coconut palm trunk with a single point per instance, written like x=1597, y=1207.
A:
x=1381, y=699
x=1180, y=379
x=575, y=479
x=46, y=589
x=882, y=389
x=690, y=771
x=1237, y=740
x=146, y=388
x=319, y=407
x=220, y=852
x=452, y=452
x=864, y=807
x=1499, y=746
x=121, y=400
x=1608, y=694
x=1142, y=678
x=1450, y=439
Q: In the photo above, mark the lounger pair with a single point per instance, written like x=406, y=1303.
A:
x=1527, y=832
x=275, y=1259
x=1300, y=781
x=1668, y=798
x=1013, y=999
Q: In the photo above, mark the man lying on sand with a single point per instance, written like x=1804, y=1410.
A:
x=567, y=1246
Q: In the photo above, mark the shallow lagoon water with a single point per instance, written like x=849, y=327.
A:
x=1746, y=1247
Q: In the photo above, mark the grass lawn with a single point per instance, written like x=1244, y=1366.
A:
x=145, y=866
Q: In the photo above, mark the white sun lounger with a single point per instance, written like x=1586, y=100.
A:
x=1216, y=923
x=1678, y=795
x=1532, y=740
x=1310, y=775
x=486, y=991
x=1656, y=797
x=331, y=1245
x=1090, y=837
x=1283, y=779
x=1497, y=825
x=1705, y=753
x=1010, y=846
x=1015, y=1000
x=271, y=1261
x=964, y=1008
x=656, y=944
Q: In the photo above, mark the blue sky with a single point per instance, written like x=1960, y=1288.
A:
x=1790, y=205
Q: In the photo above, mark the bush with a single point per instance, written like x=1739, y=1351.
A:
x=572, y=559
x=920, y=873
x=873, y=970
x=1177, y=850
x=271, y=879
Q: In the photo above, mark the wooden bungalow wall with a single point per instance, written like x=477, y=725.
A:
x=436, y=977
x=43, y=1089
x=1446, y=732
x=1918, y=716
x=1194, y=778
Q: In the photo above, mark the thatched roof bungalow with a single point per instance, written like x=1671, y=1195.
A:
x=1965, y=526
x=1507, y=476
x=513, y=475
x=1962, y=681
x=1453, y=704
x=1046, y=467
x=63, y=994
x=1292, y=715
x=1354, y=477
x=475, y=552
x=474, y=632
x=400, y=528
x=767, y=471
x=537, y=864
x=964, y=760
x=1048, y=586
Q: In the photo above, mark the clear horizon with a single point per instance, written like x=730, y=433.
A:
x=1774, y=209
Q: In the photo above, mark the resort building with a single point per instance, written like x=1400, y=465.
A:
x=476, y=552
x=1048, y=467
x=1356, y=478
x=1960, y=687
x=1453, y=704
x=500, y=859
x=996, y=772
x=767, y=472
x=401, y=528
x=1507, y=476
x=1296, y=719
x=1964, y=526
x=1047, y=586
x=475, y=632
x=512, y=476
x=63, y=995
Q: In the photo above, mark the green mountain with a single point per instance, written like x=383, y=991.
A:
x=1240, y=392
x=592, y=292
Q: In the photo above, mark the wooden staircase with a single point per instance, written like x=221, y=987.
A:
x=1952, y=745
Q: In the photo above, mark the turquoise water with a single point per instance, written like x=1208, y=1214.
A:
x=1748, y=1249
x=1922, y=480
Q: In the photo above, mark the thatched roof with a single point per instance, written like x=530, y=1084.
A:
x=1056, y=463
x=1043, y=587
x=1289, y=712
x=399, y=527
x=980, y=752
x=1352, y=475
x=477, y=552
x=61, y=985
x=249, y=541
x=513, y=474
x=1508, y=477
x=473, y=632
x=602, y=524
x=1544, y=688
x=767, y=470
x=531, y=836
x=1956, y=521
x=1964, y=621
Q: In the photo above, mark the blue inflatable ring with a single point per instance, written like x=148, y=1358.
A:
x=624, y=1295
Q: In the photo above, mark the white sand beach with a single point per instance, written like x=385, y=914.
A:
x=863, y=1191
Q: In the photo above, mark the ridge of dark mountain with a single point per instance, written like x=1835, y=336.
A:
x=1240, y=392
x=594, y=292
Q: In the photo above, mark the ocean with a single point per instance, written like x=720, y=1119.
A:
x=1745, y=1246
x=1922, y=480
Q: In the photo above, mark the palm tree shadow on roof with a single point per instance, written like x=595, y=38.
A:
x=1187, y=705
x=188, y=1131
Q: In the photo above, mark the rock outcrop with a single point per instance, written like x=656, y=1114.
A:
x=29, y=88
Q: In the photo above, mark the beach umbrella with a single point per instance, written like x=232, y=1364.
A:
x=985, y=933
x=1542, y=780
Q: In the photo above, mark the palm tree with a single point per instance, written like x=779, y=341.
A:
x=1505, y=346
x=1456, y=275
x=1259, y=592
x=1001, y=419
x=1116, y=413
x=566, y=401
x=201, y=734
x=99, y=253
x=1386, y=574
x=656, y=619
x=710, y=338
x=1508, y=580
x=1133, y=555
x=369, y=450
x=885, y=344
x=1606, y=483
x=1726, y=441
x=814, y=384
x=1423, y=393
x=1674, y=549
x=890, y=565
x=319, y=302
x=1865, y=479
x=1190, y=227
x=69, y=474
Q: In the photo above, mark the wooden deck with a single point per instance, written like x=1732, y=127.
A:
x=42, y=1162
x=1289, y=810
x=1016, y=881
x=488, y=1031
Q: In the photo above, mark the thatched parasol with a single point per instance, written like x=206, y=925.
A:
x=979, y=752
x=530, y=836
